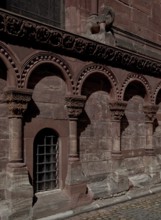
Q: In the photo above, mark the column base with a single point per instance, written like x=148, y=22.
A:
x=116, y=155
x=19, y=192
x=76, y=185
x=152, y=168
x=150, y=152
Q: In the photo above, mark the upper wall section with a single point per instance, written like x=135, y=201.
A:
x=47, y=11
x=140, y=17
x=136, y=26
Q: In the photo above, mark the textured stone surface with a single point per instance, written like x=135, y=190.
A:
x=88, y=71
x=147, y=207
x=18, y=193
x=59, y=202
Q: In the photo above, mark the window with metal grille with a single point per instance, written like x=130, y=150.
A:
x=46, y=161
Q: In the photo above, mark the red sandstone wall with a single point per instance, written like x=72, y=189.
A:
x=4, y=140
x=141, y=17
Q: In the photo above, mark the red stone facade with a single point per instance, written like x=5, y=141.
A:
x=80, y=115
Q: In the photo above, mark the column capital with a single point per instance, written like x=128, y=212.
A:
x=117, y=109
x=150, y=112
x=74, y=105
x=17, y=100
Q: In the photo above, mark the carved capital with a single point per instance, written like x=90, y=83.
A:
x=150, y=112
x=17, y=101
x=117, y=110
x=75, y=105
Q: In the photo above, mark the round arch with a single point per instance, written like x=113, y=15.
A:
x=11, y=63
x=51, y=59
x=136, y=85
x=157, y=94
x=98, y=71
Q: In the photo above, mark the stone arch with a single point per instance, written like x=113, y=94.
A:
x=11, y=62
x=143, y=90
x=101, y=70
x=156, y=99
x=47, y=58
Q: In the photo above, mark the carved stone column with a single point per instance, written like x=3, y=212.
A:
x=119, y=172
x=117, y=111
x=74, y=106
x=150, y=114
x=17, y=104
x=151, y=163
x=75, y=181
x=18, y=190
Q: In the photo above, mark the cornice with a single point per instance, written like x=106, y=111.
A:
x=19, y=30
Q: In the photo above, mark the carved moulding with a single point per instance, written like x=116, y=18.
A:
x=157, y=89
x=9, y=57
x=97, y=68
x=132, y=77
x=17, y=101
x=21, y=31
x=150, y=112
x=74, y=105
x=37, y=59
x=117, y=109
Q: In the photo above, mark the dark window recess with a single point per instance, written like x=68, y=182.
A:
x=46, y=162
x=47, y=11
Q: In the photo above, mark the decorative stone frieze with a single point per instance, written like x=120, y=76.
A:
x=17, y=101
x=150, y=112
x=24, y=31
x=75, y=105
x=117, y=110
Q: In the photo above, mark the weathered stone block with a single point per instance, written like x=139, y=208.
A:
x=50, y=203
x=94, y=168
x=134, y=165
x=4, y=128
x=100, y=189
x=139, y=180
x=19, y=192
x=119, y=181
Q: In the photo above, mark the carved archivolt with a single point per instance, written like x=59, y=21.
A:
x=97, y=68
x=4, y=51
x=132, y=77
x=158, y=87
x=39, y=58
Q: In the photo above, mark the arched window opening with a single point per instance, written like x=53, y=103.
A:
x=96, y=82
x=135, y=88
x=158, y=98
x=46, y=159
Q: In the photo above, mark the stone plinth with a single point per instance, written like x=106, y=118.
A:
x=76, y=186
x=19, y=192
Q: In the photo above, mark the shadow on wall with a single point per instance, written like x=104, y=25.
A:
x=83, y=123
x=31, y=112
